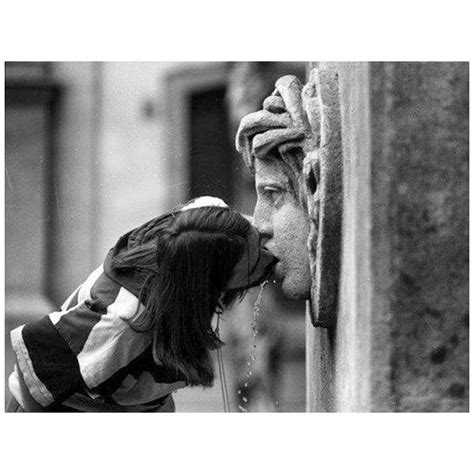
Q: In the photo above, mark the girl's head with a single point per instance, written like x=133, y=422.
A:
x=199, y=260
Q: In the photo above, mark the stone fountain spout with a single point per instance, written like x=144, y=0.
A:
x=300, y=126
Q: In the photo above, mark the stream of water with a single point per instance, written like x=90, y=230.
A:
x=251, y=357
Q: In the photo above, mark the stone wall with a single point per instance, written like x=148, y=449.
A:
x=420, y=124
x=401, y=342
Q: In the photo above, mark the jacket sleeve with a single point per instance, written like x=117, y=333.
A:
x=46, y=349
x=80, y=346
x=48, y=366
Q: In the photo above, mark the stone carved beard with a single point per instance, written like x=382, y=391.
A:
x=301, y=127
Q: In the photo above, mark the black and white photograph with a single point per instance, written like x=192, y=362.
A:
x=293, y=236
x=237, y=242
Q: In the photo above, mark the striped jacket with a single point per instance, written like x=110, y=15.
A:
x=89, y=349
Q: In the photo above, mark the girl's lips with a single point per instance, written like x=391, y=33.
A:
x=270, y=270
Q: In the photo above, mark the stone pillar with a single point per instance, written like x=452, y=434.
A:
x=387, y=319
x=401, y=338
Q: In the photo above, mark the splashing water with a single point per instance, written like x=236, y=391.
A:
x=251, y=357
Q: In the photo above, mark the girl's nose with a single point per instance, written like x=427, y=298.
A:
x=249, y=218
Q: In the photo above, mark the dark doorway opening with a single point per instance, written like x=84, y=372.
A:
x=211, y=155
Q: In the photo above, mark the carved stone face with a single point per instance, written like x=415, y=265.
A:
x=297, y=135
x=285, y=226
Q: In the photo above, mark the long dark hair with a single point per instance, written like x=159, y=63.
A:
x=188, y=258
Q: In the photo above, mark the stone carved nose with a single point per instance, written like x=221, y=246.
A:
x=263, y=226
x=265, y=235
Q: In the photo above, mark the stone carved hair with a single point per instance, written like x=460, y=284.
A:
x=301, y=127
x=280, y=131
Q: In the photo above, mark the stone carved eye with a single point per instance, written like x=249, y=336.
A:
x=274, y=194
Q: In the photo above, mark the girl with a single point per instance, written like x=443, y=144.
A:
x=140, y=327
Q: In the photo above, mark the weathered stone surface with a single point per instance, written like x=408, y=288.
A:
x=400, y=340
x=420, y=137
x=301, y=129
x=323, y=190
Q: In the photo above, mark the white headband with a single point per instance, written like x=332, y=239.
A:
x=204, y=201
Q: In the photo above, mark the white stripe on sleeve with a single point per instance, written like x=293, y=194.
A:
x=112, y=343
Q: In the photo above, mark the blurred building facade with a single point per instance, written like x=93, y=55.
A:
x=95, y=149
